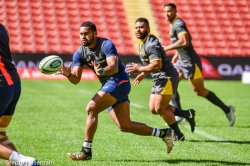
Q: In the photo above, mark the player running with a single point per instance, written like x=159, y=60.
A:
x=188, y=63
x=165, y=78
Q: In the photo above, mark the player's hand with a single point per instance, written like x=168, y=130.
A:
x=97, y=68
x=65, y=70
x=138, y=79
x=174, y=60
x=132, y=68
x=165, y=48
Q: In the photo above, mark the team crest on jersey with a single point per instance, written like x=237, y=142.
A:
x=99, y=58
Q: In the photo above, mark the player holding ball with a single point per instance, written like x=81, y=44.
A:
x=100, y=55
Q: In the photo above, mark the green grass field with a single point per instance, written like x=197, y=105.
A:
x=50, y=118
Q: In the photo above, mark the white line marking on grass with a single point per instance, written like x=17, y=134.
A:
x=197, y=131
x=57, y=85
x=136, y=105
x=205, y=134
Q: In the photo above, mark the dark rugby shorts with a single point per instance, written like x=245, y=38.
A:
x=9, y=97
x=189, y=70
x=165, y=86
x=119, y=89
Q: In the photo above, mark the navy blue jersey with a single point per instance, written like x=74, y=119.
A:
x=8, y=72
x=103, y=49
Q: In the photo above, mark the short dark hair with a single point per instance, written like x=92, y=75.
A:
x=141, y=19
x=170, y=4
x=90, y=25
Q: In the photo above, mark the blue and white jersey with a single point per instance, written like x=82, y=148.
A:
x=104, y=48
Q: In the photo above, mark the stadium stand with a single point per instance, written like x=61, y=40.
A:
x=52, y=26
x=218, y=27
x=139, y=8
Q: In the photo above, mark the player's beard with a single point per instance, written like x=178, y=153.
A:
x=142, y=35
x=86, y=43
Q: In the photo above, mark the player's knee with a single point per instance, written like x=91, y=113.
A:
x=199, y=92
x=158, y=111
x=153, y=111
x=125, y=128
x=90, y=109
x=3, y=137
x=171, y=108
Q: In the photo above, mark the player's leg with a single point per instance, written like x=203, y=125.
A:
x=121, y=116
x=160, y=105
x=176, y=100
x=160, y=97
x=176, y=97
x=5, y=152
x=4, y=140
x=15, y=158
x=182, y=114
x=109, y=94
x=189, y=115
x=197, y=83
x=9, y=97
x=99, y=102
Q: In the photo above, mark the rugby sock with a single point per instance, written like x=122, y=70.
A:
x=156, y=132
x=176, y=129
x=86, y=148
x=159, y=132
x=14, y=156
x=182, y=113
x=216, y=101
x=176, y=100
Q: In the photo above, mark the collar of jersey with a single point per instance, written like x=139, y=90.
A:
x=143, y=40
x=171, y=23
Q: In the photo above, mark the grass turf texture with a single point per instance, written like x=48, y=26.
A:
x=50, y=118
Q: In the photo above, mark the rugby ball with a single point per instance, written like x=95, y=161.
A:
x=50, y=64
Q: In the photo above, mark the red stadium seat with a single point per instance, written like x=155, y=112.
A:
x=213, y=24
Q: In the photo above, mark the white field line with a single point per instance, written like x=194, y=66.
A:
x=136, y=105
x=59, y=86
x=197, y=131
x=205, y=134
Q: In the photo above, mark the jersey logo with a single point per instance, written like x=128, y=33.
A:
x=143, y=56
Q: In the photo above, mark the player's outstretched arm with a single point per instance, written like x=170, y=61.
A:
x=139, y=78
x=73, y=74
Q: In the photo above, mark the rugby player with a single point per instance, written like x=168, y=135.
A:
x=165, y=78
x=10, y=90
x=188, y=63
x=100, y=55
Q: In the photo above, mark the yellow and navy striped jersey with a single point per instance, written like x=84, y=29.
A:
x=151, y=49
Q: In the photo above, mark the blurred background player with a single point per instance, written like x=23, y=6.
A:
x=100, y=55
x=10, y=90
x=188, y=63
x=165, y=78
